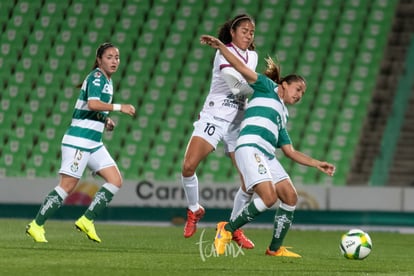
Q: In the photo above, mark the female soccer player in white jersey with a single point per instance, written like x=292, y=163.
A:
x=220, y=118
x=263, y=130
x=82, y=147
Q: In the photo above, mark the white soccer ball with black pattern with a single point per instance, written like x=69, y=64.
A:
x=356, y=244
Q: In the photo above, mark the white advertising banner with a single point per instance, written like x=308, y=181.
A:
x=171, y=194
x=366, y=198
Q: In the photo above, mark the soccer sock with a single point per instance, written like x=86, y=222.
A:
x=190, y=185
x=101, y=200
x=249, y=212
x=52, y=202
x=240, y=201
x=283, y=221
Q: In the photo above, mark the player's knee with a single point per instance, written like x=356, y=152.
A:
x=119, y=184
x=119, y=181
x=115, y=179
x=188, y=168
x=291, y=199
x=270, y=200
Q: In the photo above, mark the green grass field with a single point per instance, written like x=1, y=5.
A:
x=155, y=250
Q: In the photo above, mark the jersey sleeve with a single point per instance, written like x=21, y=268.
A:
x=236, y=85
x=284, y=138
x=95, y=85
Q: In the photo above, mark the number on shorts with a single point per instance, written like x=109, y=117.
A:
x=210, y=129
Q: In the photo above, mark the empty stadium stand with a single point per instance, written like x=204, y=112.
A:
x=47, y=47
x=391, y=70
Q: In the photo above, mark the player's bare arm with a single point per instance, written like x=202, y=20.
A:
x=306, y=160
x=97, y=105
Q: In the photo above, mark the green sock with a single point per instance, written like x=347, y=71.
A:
x=283, y=221
x=51, y=203
x=248, y=214
x=99, y=203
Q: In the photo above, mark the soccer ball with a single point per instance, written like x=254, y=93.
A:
x=355, y=244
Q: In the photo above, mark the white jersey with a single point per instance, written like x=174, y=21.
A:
x=220, y=102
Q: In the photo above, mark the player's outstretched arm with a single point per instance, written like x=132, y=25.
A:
x=306, y=160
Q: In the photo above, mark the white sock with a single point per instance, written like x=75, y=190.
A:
x=190, y=185
x=62, y=193
x=240, y=201
x=260, y=205
x=111, y=187
x=286, y=207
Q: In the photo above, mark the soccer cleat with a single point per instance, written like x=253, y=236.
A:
x=222, y=239
x=242, y=240
x=190, y=226
x=85, y=225
x=282, y=252
x=36, y=231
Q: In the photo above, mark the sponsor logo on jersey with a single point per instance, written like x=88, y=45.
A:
x=97, y=74
x=236, y=102
x=107, y=89
x=96, y=82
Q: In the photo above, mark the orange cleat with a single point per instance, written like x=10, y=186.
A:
x=282, y=252
x=222, y=239
x=242, y=240
x=190, y=226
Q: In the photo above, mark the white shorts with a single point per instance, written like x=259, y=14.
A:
x=256, y=167
x=75, y=161
x=214, y=130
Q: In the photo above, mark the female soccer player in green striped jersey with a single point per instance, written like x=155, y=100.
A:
x=262, y=131
x=82, y=147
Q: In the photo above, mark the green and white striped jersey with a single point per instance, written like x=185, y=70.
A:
x=265, y=119
x=87, y=126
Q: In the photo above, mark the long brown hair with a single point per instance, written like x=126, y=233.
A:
x=224, y=31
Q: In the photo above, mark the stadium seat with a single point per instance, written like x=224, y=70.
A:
x=166, y=73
